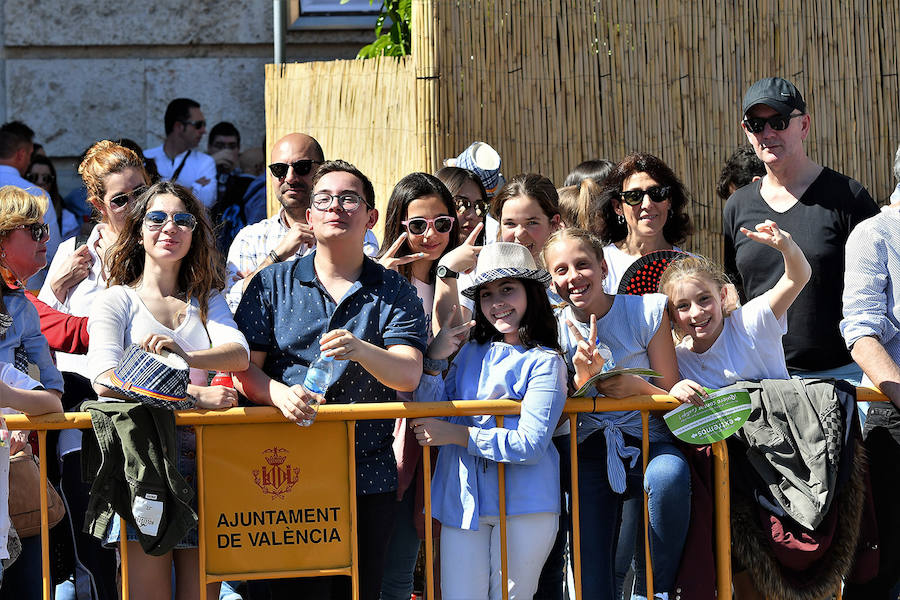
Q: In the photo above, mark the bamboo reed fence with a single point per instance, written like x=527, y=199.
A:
x=550, y=83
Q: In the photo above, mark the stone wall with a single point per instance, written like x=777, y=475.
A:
x=81, y=70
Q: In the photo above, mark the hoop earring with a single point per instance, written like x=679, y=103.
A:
x=620, y=219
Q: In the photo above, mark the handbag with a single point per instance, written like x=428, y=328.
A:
x=25, y=495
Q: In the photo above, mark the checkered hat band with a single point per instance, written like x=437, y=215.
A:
x=146, y=374
x=538, y=275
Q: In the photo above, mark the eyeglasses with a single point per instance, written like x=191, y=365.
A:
x=156, y=219
x=348, y=201
x=464, y=204
x=195, y=124
x=120, y=200
x=40, y=178
x=777, y=123
x=657, y=193
x=301, y=167
x=39, y=231
x=419, y=225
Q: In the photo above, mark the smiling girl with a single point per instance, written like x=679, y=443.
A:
x=636, y=330
x=513, y=354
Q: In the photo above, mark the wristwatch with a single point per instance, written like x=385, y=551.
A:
x=445, y=273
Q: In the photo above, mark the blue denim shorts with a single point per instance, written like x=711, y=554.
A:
x=185, y=451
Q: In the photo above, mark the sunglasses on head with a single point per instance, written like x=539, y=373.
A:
x=657, y=193
x=156, y=219
x=301, y=167
x=120, y=200
x=419, y=225
x=38, y=230
x=464, y=204
x=777, y=123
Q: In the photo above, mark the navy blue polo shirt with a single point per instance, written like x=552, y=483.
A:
x=286, y=310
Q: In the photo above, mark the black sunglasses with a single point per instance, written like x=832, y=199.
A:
x=156, y=219
x=40, y=177
x=38, y=230
x=419, y=225
x=195, y=124
x=777, y=123
x=120, y=200
x=463, y=204
x=657, y=193
x=301, y=168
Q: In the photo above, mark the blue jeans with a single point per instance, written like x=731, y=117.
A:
x=668, y=484
x=22, y=580
x=402, y=551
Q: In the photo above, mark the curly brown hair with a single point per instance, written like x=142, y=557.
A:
x=201, y=272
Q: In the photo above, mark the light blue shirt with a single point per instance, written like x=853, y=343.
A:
x=26, y=331
x=465, y=483
x=9, y=175
x=627, y=329
x=871, y=276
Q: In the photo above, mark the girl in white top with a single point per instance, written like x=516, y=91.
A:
x=720, y=346
x=164, y=295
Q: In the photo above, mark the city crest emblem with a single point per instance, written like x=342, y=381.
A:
x=275, y=477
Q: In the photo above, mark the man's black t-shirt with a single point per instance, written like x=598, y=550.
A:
x=819, y=222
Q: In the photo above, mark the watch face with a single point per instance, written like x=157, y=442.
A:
x=443, y=272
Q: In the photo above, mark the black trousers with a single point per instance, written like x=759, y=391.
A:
x=882, y=439
x=375, y=516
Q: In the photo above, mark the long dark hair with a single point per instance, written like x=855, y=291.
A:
x=454, y=178
x=202, y=270
x=537, y=327
x=410, y=188
x=678, y=222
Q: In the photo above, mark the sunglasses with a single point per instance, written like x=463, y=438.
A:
x=120, y=200
x=777, y=123
x=40, y=177
x=195, y=124
x=419, y=225
x=301, y=168
x=156, y=219
x=657, y=193
x=348, y=201
x=39, y=231
x=464, y=204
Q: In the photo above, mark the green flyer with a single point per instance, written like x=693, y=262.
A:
x=723, y=412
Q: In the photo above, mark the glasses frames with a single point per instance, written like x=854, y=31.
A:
x=39, y=231
x=777, y=123
x=301, y=167
x=195, y=124
x=464, y=204
x=657, y=193
x=348, y=201
x=120, y=200
x=157, y=219
x=419, y=225
x=40, y=177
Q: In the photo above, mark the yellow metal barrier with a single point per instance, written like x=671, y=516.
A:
x=355, y=412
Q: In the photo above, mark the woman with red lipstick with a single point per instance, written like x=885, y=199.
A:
x=420, y=227
x=643, y=207
x=165, y=279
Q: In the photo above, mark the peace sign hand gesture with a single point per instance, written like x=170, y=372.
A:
x=391, y=261
x=462, y=258
x=587, y=360
x=449, y=339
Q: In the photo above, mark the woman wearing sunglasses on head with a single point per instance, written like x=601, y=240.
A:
x=164, y=295
x=643, y=207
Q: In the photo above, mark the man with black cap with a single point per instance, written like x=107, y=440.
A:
x=817, y=205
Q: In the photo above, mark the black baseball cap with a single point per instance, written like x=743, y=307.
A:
x=777, y=93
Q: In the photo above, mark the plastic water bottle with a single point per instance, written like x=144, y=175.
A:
x=222, y=378
x=318, y=378
x=603, y=350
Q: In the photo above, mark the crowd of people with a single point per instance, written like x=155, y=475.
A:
x=482, y=288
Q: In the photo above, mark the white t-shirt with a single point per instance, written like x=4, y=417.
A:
x=13, y=378
x=749, y=347
x=119, y=318
x=425, y=292
x=617, y=262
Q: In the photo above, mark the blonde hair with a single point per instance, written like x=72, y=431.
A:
x=579, y=205
x=17, y=208
x=103, y=159
x=578, y=234
x=698, y=267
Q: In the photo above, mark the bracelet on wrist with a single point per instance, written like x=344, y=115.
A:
x=273, y=256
